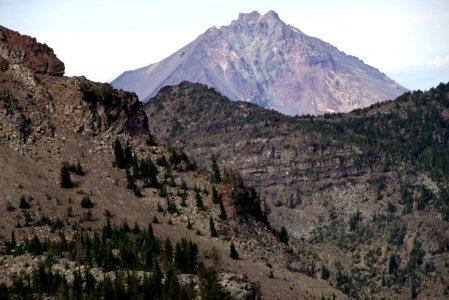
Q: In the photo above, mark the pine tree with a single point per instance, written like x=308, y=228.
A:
x=86, y=202
x=150, y=140
x=282, y=235
x=130, y=184
x=210, y=287
x=66, y=181
x=119, y=155
x=183, y=186
x=171, y=206
x=171, y=287
x=156, y=282
x=325, y=274
x=216, y=197
x=222, y=215
x=183, y=196
x=216, y=177
x=189, y=225
x=79, y=169
x=233, y=252
x=137, y=192
x=213, y=231
x=199, y=201
x=128, y=154
x=23, y=203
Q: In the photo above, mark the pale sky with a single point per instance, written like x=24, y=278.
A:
x=406, y=39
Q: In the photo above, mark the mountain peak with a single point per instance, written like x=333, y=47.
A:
x=247, y=17
x=255, y=17
x=260, y=59
x=271, y=14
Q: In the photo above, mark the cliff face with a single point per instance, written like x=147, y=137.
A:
x=39, y=58
x=39, y=104
x=260, y=59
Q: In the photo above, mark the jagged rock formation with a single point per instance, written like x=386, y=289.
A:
x=38, y=58
x=260, y=59
x=31, y=71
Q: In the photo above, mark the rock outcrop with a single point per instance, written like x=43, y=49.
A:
x=39, y=58
x=260, y=59
x=37, y=103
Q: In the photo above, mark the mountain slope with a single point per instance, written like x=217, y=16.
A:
x=345, y=187
x=50, y=233
x=260, y=59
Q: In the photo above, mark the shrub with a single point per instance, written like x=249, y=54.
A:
x=10, y=207
x=282, y=235
x=233, y=252
x=24, y=204
x=66, y=181
x=86, y=202
x=355, y=220
x=324, y=273
x=137, y=192
x=161, y=161
x=150, y=140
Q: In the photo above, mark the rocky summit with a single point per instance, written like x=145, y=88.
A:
x=260, y=59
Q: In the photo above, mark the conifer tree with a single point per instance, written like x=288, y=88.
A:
x=79, y=169
x=233, y=252
x=130, y=184
x=216, y=197
x=213, y=231
x=199, y=201
x=66, y=181
x=216, y=177
x=171, y=288
x=150, y=140
x=183, y=199
x=222, y=215
x=156, y=282
x=119, y=155
x=23, y=203
x=189, y=225
x=128, y=154
x=210, y=287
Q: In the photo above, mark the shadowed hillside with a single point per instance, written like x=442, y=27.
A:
x=368, y=185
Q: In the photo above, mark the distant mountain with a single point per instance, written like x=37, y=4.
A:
x=260, y=59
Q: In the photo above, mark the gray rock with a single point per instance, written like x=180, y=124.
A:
x=260, y=59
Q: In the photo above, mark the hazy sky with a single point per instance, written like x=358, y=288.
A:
x=406, y=39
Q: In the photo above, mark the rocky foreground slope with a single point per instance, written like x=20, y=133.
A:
x=362, y=195
x=73, y=221
x=260, y=59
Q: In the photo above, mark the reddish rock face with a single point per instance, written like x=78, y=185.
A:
x=260, y=59
x=39, y=58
